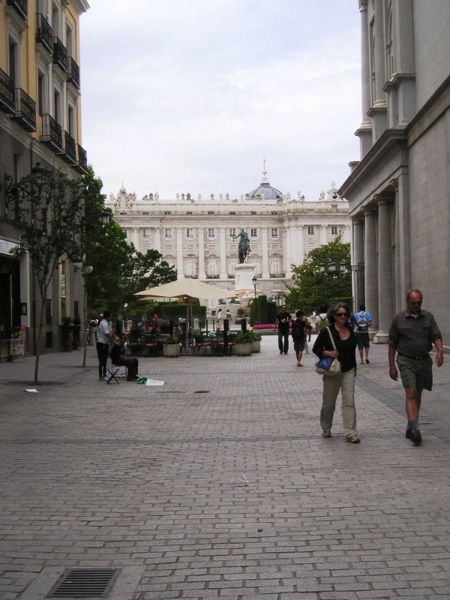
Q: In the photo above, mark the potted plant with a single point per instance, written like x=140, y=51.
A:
x=244, y=344
x=256, y=341
x=171, y=346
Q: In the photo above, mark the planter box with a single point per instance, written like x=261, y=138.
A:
x=172, y=350
x=244, y=349
x=270, y=331
x=256, y=346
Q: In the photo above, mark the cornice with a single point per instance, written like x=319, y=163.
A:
x=80, y=6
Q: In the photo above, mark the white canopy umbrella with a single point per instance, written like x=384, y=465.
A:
x=186, y=288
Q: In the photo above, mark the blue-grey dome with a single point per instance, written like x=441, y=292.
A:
x=270, y=193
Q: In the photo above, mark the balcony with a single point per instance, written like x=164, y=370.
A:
x=82, y=166
x=70, y=150
x=52, y=134
x=44, y=33
x=25, y=113
x=59, y=54
x=74, y=73
x=21, y=7
x=7, y=94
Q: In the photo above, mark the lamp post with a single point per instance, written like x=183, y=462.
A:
x=333, y=273
x=254, y=281
x=358, y=283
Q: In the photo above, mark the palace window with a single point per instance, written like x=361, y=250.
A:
x=274, y=232
x=212, y=267
x=146, y=233
x=334, y=230
x=211, y=233
x=310, y=230
x=168, y=234
x=189, y=233
x=232, y=232
x=253, y=233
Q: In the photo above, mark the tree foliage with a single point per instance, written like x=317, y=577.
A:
x=315, y=284
x=119, y=271
x=46, y=207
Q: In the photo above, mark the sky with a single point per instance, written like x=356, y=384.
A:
x=191, y=96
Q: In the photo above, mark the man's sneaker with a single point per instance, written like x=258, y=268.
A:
x=408, y=434
x=415, y=437
x=352, y=438
x=326, y=433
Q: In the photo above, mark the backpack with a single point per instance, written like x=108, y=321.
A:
x=323, y=323
x=298, y=330
x=363, y=324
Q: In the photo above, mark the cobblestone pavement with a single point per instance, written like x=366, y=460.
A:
x=218, y=484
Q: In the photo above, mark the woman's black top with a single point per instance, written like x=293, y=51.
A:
x=346, y=348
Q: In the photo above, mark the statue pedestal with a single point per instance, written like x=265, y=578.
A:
x=244, y=274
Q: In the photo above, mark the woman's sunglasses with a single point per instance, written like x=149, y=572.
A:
x=341, y=315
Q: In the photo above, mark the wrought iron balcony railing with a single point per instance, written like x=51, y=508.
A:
x=44, y=33
x=74, y=72
x=51, y=134
x=82, y=166
x=7, y=93
x=21, y=7
x=59, y=54
x=70, y=149
x=25, y=113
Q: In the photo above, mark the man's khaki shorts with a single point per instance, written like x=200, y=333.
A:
x=416, y=374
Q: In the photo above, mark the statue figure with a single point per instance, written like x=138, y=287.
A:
x=244, y=246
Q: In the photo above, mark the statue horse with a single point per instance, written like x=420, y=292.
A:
x=244, y=247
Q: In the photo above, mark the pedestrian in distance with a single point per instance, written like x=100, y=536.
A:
x=321, y=318
x=219, y=317
x=299, y=333
x=363, y=320
x=283, y=322
x=345, y=342
x=105, y=337
x=411, y=337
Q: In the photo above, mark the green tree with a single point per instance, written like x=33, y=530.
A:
x=46, y=208
x=323, y=278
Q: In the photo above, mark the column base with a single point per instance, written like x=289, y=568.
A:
x=381, y=337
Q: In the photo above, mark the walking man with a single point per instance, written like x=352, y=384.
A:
x=282, y=322
x=411, y=335
x=105, y=336
x=299, y=333
x=363, y=321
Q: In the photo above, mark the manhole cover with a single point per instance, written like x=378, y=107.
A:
x=201, y=392
x=30, y=383
x=84, y=583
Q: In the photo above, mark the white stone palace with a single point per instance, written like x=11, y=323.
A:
x=195, y=234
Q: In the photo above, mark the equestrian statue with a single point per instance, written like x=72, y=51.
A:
x=243, y=247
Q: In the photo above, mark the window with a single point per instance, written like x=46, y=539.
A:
x=167, y=212
x=189, y=233
x=232, y=232
x=71, y=121
x=212, y=267
x=275, y=266
x=57, y=106
x=168, y=234
x=334, y=208
x=310, y=230
x=13, y=61
x=69, y=41
x=190, y=267
x=274, y=232
x=210, y=212
x=232, y=212
x=211, y=233
x=42, y=98
x=334, y=230
x=55, y=20
x=253, y=233
x=189, y=213
x=146, y=233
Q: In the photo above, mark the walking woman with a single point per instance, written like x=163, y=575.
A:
x=345, y=342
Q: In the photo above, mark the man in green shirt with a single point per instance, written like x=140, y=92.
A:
x=411, y=336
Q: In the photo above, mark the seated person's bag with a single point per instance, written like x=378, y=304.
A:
x=328, y=365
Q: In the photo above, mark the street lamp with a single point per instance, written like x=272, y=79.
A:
x=254, y=281
x=105, y=218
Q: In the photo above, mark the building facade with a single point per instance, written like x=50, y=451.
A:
x=398, y=191
x=40, y=122
x=196, y=235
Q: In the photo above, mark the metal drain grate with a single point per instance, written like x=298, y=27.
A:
x=84, y=583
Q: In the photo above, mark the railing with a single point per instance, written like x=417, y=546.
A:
x=25, y=110
x=212, y=277
x=74, y=72
x=21, y=7
x=51, y=133
x=7, y=93
x=59, y=54
x=277, y=275
x=82, y=160
x=44, y=33
x=70, y=152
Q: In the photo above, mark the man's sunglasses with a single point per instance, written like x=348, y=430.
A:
x=416, y=303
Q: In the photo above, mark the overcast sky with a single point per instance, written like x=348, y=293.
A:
x=191, y=96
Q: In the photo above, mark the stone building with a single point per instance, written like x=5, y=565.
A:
x=40, y=122
x=398, y=191
x=196, y=235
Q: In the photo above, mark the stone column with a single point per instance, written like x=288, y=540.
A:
x=180, y=262
x=201, y=253
x=300, y=245
x=223, y=254
x=287, y=252
x=323, y=235
x=370, y=263
x=384, y=270
x=365, y=131
x=157, y=242
x=358, y=260
x=265, y=253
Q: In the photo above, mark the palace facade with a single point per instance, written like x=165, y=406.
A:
x=196, y=235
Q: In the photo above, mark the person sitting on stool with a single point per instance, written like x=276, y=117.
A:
x=120, y=359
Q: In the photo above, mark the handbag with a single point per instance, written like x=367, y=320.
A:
x=328, y=365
